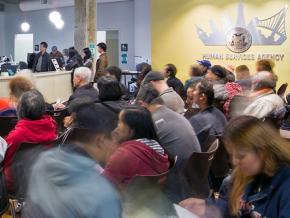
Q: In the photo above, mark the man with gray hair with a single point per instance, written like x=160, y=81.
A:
x=263, y=98
x=83, y=87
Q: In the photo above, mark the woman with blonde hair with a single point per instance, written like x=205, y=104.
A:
x=261, y=178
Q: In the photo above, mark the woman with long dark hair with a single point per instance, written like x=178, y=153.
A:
x=139, y=152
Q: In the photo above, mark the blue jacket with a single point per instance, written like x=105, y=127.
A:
x=65, y=182
x=273, y=201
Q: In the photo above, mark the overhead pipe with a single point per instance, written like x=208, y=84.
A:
x=36, y=5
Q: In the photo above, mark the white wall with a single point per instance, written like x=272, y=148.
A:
x=119, y=16
x=2, y=36
x=142, y=15
x=132, y=20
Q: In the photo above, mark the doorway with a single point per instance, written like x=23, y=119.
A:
x=111, y=38
x=23, y=44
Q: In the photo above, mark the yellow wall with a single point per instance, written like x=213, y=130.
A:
x=174, y=37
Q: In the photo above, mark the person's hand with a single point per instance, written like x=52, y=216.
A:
x=58, y=106
x=67, y=121
x=195, y=205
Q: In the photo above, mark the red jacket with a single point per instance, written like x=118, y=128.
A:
x=31, y=131
x=134, y=158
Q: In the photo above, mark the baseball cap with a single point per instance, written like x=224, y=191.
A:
x=153, y=76
x=205, y=63
x=219, y=71
x=54, y=48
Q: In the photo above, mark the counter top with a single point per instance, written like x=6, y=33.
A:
x=40, y=74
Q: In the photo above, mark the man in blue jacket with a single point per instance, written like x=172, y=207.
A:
x=42, y=62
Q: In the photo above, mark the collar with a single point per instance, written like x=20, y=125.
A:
x=261, y=93
x=282, y=174
x=76, y=149
x=87, y=86
x=170, y=89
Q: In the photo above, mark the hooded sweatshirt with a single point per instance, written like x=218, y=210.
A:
x=67, y=183
x=29, y=131
x=134, y=158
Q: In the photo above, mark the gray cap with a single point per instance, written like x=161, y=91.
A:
x=153, y=76
x=53, y=48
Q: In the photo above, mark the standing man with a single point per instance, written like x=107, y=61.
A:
x=102, y=62
x=56, y=54
x=42, y=62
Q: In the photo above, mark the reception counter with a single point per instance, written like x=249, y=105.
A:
x=52, y=85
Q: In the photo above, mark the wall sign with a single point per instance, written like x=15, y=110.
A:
x=124, y=58
x=36, y=48
x=240, y=37
x=124, y=47
x=92, y=48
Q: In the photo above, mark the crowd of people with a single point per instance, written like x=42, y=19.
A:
x=123, y=155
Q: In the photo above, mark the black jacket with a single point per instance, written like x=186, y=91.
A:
x=46, y=64
x=74, y=62
x=85, y=91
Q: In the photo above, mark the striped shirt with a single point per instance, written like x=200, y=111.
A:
x=152, y=144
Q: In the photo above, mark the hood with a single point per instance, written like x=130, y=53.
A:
x=37, y=131
x=150, y=157
x=61, y=166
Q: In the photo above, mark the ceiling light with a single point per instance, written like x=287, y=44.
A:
x=59, y=24
x=54, y=16
x=25, y=26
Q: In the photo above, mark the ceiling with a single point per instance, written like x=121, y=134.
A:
x=19, y=1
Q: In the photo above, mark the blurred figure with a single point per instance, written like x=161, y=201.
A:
x=7, y=108
x=139, y=152
x=67, y=181
x=42, y=62
x=209, y=117
x=65, y=56
x=263, y=98
x=102, y=62
x=110, y=94
x=192, y=108
x=88, y=61
x=23, y=81
x=144, y=69
x=167, y=95
x=195, y=74
x=74, y=61
x=217, y=74
x=17, y=86
x=33, y=127
x=116, y=73
x=3, y=149
x=232, y=88
x=265, y=65
x=230, y=73
x=261, y=177
x=56, y=54
x=205, y=66
x=243, y=77
x=169, y=73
